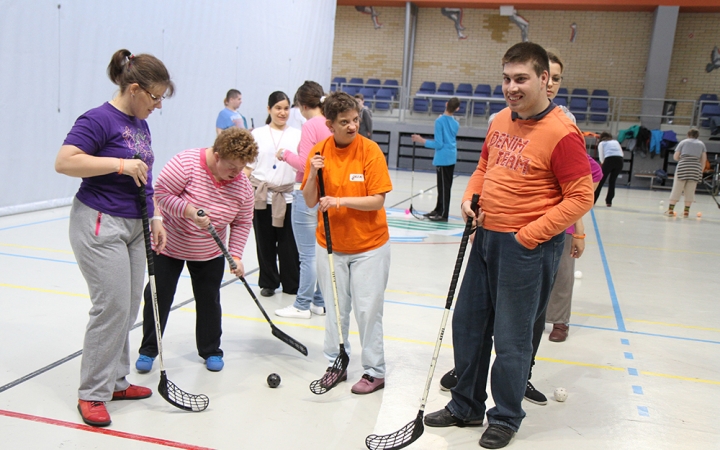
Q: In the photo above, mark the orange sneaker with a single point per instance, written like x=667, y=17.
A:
x=94, y=413
x=132, y=393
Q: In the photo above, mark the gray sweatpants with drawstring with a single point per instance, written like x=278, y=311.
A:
x=110, y=252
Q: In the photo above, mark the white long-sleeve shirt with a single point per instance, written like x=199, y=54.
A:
x=609, y=148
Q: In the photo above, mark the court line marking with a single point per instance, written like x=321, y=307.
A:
x=105, y=431
x=39, y=249
x=608, y=276
x=432, y=344
x=29, y=224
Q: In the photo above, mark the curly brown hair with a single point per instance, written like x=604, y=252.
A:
x=337, y=103
x=236, y=144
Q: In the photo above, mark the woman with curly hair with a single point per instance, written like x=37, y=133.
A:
x=210, y=179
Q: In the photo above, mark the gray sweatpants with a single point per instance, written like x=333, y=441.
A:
x=361, y=281
x=560, y=303
x=110, y=252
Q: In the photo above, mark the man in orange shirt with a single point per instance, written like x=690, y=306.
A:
x=534, y=181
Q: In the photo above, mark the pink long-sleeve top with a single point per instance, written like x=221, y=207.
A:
x=313, y=131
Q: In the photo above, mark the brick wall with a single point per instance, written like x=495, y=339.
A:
x=695, y=37
x=609, y=52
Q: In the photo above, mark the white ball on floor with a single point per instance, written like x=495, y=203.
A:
x=578, y=274
x=561, y=394
x=420, y=191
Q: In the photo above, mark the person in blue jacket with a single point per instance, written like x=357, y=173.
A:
x=445, y=145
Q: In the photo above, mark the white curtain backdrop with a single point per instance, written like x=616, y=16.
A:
x=54, y=55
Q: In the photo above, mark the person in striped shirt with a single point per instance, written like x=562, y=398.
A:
x=210, y=179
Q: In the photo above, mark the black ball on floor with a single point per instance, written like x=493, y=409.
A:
x=273, y=380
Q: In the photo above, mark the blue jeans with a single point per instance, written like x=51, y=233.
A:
x=304, y=224
x=505, y=289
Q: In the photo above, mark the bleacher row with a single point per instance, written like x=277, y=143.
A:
x=378, y=96
x=594, y=107
x=709, y=110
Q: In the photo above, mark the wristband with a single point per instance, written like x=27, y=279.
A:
x=156, y=218
x=337, y=202
x=578, y=236
x=122, y=166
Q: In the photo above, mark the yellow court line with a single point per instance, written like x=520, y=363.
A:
x=415, y=294
x=40, y=249
x=694, y=327
x=46, y=291
x=540, y=358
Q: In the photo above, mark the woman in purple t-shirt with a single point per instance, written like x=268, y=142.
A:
x=106, y=232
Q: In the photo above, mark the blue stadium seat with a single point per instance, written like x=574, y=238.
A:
x=373, y=83
x=703, y=101
x=386, y=95
x=394, y=87
x=438, y=105
x=708, y=111
x=479, y=108
x=498, y=90
x=336, y=82
x=356, y=81
x=420, y=105
x=483, y=90
x=600, y=93
x=562, y=94
x=464, y=89
x=580, y=93
x=427, y=87
x=350, y=90
x=599, y=110
x=560, y=101
x=578, y=106
x=446, y=89
x=369, y=94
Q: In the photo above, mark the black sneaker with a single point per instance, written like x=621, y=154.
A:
x=431, y=213
x=534, y=396
x=448, y=381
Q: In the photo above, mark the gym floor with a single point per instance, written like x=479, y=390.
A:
x=640, y=364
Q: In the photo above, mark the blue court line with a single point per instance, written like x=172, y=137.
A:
x=629, y=355
x=633, y=372
x=416, y=304
x=667, y=336
x=38, y=258
x=643, y=411
x=608, y=276
x=624, y=342
x=33, y=223
x=638, y=390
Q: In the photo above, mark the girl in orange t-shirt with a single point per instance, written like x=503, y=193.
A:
x=356, y=181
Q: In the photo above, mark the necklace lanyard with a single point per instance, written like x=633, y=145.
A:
x=278, y=142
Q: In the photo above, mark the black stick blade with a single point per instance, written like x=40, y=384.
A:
x=399, y=439
x=179, y=398
x=278, y=333
x=333, y=376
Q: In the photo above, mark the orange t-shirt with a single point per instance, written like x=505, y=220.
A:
x=533, y=176
x=358, y=170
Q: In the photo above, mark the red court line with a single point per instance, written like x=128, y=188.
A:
x=120, y=434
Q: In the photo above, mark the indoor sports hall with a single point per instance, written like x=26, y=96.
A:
x=640, y=362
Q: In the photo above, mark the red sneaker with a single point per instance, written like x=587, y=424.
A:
x=94, y=413
x=132, y=393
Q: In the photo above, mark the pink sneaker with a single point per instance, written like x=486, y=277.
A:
x=368, y=384
x=330, y=377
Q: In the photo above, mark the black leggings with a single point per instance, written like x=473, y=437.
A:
x=273, y=245
x=612, y=166
x=206, y=277
x=444, y=186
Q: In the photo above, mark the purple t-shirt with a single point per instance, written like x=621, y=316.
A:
x=107, y=132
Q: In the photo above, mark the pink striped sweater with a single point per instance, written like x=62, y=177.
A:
x=186, y=179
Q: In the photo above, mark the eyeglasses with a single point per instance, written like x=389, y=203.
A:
x=155, y=99
x=557, y=79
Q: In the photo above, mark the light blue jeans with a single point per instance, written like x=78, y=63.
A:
x=361, y=281
x=304, y=224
